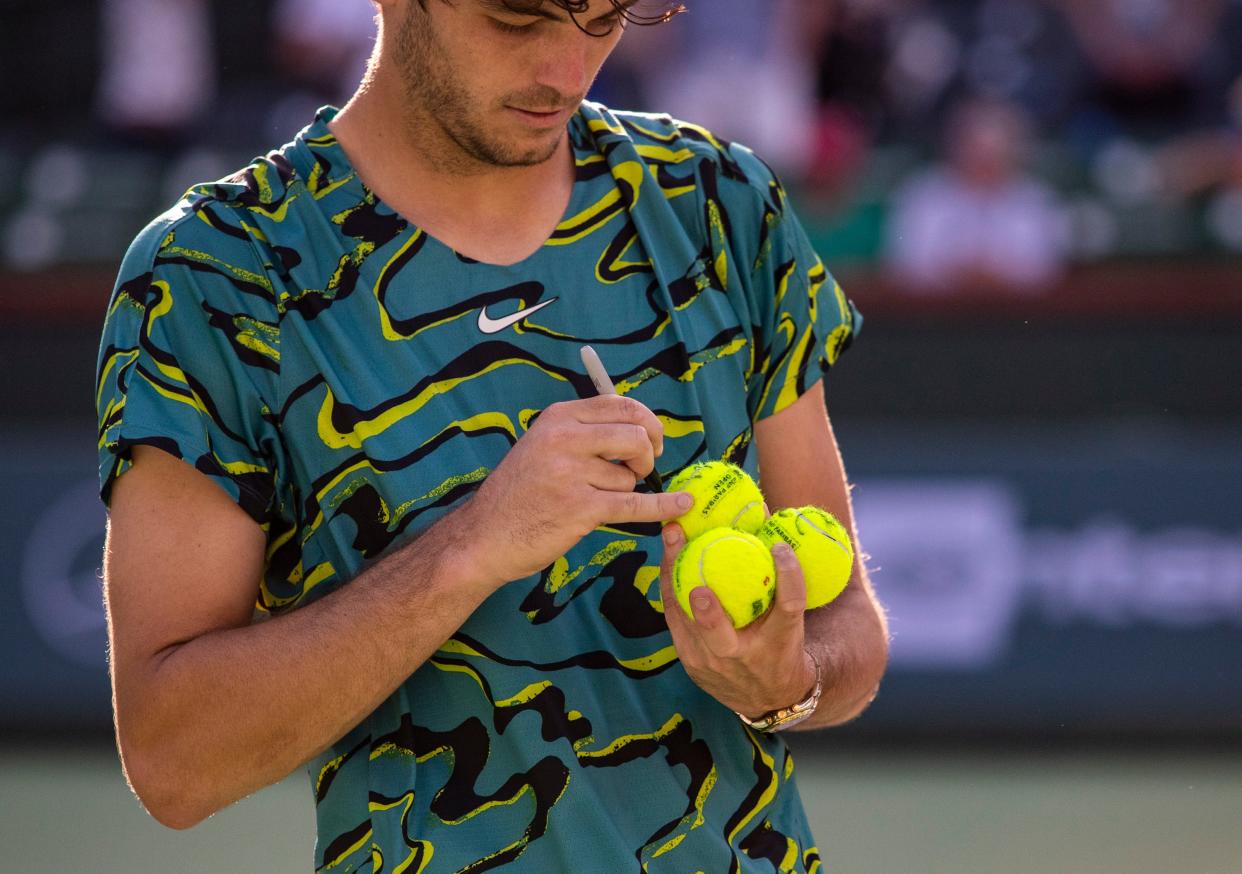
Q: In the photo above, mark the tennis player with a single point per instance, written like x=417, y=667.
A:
x=364, y=515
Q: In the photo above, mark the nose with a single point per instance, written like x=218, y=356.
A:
x=563, y=65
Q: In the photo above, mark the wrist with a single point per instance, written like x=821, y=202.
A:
x=799, y=690
x=791, y=714
x=462, y=551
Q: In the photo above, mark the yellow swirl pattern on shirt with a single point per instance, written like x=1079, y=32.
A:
x=775, y=339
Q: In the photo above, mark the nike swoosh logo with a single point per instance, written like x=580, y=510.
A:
x=489, y=325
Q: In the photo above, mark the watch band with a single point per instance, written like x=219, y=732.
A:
x=787, y=717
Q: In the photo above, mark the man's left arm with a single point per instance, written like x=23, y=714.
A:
x=765, y=666
x=800, y=464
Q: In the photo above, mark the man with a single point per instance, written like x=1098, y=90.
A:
x=341, y=393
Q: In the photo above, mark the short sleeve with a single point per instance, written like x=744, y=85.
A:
x=189, y=360
x=801, y=317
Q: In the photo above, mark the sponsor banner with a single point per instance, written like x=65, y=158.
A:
x=1034, y=582
x=1042, y=580
x=957, y=569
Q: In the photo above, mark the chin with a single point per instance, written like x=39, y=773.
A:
x=528, y=154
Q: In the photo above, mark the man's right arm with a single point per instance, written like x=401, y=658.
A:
x=210, y=708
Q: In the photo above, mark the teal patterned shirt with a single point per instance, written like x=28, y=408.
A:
x=349, y=379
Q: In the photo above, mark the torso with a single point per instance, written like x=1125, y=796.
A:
x=555, y=728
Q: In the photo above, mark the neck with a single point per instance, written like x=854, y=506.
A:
x=402, y=153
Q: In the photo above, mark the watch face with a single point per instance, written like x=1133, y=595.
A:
x=784, y=718
x=791, y=715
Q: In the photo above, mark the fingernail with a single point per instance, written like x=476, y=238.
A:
x=783, y=552
x=672, y=534
x=699, y=599
x=685, y=500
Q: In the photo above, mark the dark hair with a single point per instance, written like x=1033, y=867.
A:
x=574, y=7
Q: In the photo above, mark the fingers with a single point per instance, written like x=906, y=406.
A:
x=674, y=542
x=789, y=604
x=783, y=621
x=632, y=506
x=558, y=483
x=715, y=628
x=710, y=629
x=680, y=626
x=613, y=409
x=627, y=443
x=609, y=477
x=752, y=669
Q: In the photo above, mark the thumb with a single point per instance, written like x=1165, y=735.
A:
x=674, y=542
x=790, y=600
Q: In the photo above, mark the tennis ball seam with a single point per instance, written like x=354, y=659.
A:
x=835, y=542
x=808, y=531
x=750, y=505
x=703, y=555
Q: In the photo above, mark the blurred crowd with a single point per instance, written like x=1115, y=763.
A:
x=980, y=143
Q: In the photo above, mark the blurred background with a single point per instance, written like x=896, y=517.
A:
x=1037, y=205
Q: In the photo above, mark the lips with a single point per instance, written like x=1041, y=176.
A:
x=539, y=119
x=538, y=113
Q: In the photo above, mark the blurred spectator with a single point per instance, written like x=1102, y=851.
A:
x=1146, y=63
x=843, y=97
x=847, y=43
x=1208, y=164
x=742, y=69
x=979, y=222
x=158, y=76
x=1204, y=160
x=938, y=51
x=890, y=70
x=922, y=62
x=324, y=45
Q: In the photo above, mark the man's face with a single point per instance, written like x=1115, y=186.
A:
x=502, y=85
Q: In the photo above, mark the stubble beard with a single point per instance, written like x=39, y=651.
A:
x=430, y=85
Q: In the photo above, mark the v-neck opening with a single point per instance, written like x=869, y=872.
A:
x=317, y=144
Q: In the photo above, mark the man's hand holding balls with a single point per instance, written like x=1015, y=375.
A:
x=742, y=580
x=751, y=670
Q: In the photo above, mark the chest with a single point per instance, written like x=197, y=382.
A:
x=422, y=331
x=410, y=372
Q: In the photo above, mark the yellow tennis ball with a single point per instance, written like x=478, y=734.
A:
x=822, y=545
x=724, y=497
x=735, y=565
